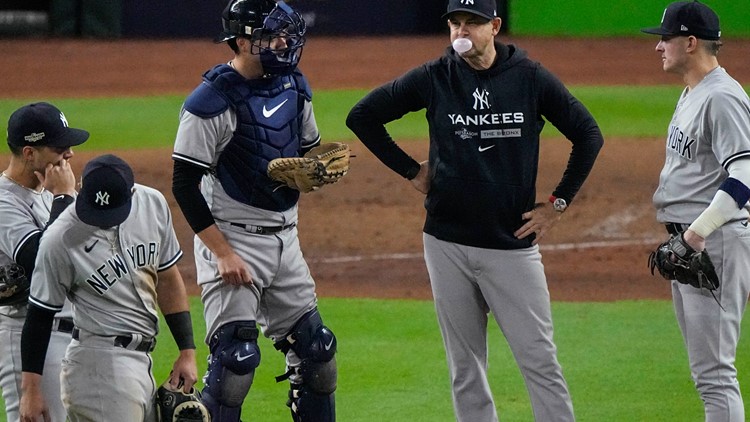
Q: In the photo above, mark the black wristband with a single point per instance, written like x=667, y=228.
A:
x=412, y=172
x=181, y=326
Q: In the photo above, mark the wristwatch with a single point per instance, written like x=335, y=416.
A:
x=558, y=204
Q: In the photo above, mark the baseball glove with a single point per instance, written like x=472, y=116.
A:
x=676, y=260
x=14, y=285
x=322, y=165
x=177, y=406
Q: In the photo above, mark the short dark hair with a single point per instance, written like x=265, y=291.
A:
x=233, y=44
x=15, y=150
x=713, y=47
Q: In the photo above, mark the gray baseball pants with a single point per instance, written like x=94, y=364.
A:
x=468, y=283
x=710, y=333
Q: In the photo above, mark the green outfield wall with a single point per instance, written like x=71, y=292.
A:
x=596, y=18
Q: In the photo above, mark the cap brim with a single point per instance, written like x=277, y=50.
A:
x=657, y=31
x=102, y=218
x=467, y=10
x=71, y=138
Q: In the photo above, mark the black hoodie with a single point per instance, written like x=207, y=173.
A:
x=484, y=141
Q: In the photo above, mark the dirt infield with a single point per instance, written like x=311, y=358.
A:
x=597, y=252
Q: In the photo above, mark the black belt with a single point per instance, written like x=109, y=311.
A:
x=262, y=229
x=146, y=345
x=64, y=325
x=676, y=228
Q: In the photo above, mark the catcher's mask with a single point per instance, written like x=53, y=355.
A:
x=276, y=31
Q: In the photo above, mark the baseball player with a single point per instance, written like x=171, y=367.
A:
x=113, y=255
x=486, y=103
x=247, y=112
x=36, y=187
x=702, y=196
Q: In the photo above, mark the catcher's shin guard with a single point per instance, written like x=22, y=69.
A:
x=231, y=368
x=313, y=381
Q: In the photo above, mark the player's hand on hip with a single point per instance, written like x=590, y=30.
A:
x=234, y=270
x=421, y=181
x=184, y=371
x=539, y=221
x=58, y=178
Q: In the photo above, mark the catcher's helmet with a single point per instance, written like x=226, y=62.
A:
x=277, y=32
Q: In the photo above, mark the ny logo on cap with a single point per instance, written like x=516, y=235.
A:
x=63, y=119
x=481, y=99
x=467, y=2
x=102, y=198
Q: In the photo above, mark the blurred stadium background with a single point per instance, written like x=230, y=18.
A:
x=200, y=18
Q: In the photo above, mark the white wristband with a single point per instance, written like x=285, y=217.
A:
x=721, y=210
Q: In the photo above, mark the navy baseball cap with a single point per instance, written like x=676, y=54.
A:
x=42, y=124
x=106, y=192
x=484, y=8
x=688, y=18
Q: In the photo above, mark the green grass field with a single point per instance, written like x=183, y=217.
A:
x=149, y=122
x=624, y=361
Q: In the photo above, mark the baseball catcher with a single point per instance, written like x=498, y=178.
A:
x=177, y=406
x=676, y=260
x=322, y=165
x=14, y=285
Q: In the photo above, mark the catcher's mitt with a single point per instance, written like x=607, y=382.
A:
x=14, y=285
x=676, y=260
x=324, y=164
x=177, y=406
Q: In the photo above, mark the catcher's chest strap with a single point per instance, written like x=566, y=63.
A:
x=676, y=228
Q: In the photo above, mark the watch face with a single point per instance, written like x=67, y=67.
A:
x=560, y=205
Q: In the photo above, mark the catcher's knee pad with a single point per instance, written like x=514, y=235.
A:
x=231, y=368
x=313, y=381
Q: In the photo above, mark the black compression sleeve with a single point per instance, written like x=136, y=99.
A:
x=26, y=256
x=181, y=327
x=58, y=206
x=35, y=338
x=186, y=180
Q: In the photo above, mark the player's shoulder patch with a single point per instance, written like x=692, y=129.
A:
x=206, y=102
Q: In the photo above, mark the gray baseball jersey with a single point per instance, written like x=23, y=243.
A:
x=710, y=128
x=709, y=131
x=109, y=275
x=201, y=141
x=23, y=214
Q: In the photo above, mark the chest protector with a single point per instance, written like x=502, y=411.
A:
x=269, y=117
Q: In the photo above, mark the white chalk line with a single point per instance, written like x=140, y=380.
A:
x=553, y=247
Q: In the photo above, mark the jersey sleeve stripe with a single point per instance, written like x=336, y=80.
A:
x=39, y=303
x=170, y=263
x=735, y=157
x=190, y=160
x=310, y=144
x=23, y=242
